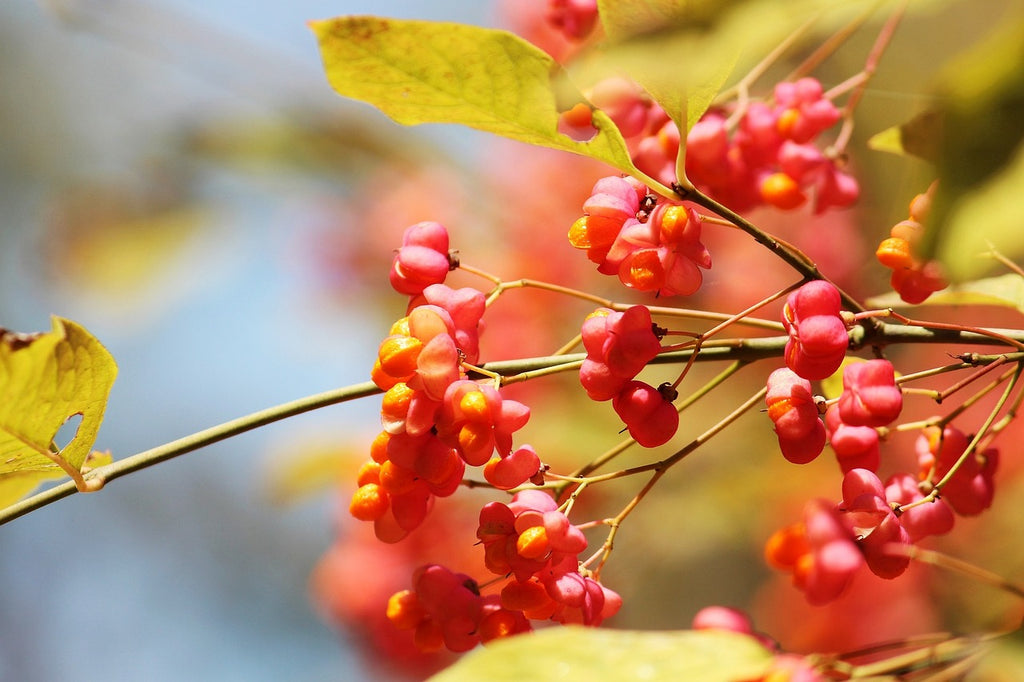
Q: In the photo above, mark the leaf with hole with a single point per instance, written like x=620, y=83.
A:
x=48, y=380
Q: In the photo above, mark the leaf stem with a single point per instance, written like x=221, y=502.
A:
x=100, y=476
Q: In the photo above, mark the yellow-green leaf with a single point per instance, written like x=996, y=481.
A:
x=306, y=469
x=606, y=655
x=985, y=218
x=1006, y=291
x=662, y=45
x=624, y=19
x=832, y=386
x=437, y=72
x=45, y=380
x=980, y=155
x=917, y=137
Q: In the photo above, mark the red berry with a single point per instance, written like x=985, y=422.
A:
x=870, y=395
x=651, y=419
x=792, y=409
x=817, y=334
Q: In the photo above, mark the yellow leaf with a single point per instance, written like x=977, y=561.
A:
x=436, y=72
x=574, y=652
x=304, y=470
x=1006, y=291
x=917, y=137
x=980, y=154
x=45, y=380
x=832, y=386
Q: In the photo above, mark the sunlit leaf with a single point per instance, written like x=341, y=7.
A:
x=624, y=19
x=917, y=137
x=122, y=241
x=685, y=49
x=655, y=42
x=1006, y=291
x=832, y=386
x=436, y=72
x=981, y=155
x=302, y=470
x=606, y=655
x=45, y=380
x=987, y=217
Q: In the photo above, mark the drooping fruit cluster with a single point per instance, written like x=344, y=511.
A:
x=870, y=399
x=873, y=520
x=817, y=345
x=761, y=154
x=834, y=541
x=650, y=244
x=619, y=345
x=436, y=421
x=817, y=333
x=912, y=278
x=536, y=544
x=446, y=610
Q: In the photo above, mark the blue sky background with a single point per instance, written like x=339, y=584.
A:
x=185, y=571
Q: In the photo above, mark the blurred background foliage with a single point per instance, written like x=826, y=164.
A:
x=178, y=177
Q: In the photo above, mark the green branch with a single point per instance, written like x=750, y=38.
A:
x=100, y=476
x=723, y=350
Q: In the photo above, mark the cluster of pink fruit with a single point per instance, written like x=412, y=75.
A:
x=533, y=544
x=618, y=346
x=436, y=421
x=873, y=520
x=651, y=245
x=762, y=153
